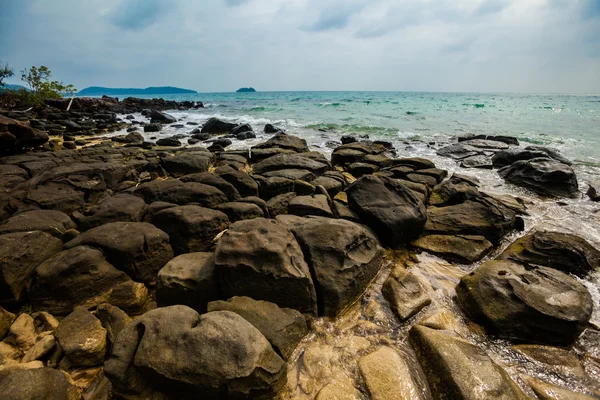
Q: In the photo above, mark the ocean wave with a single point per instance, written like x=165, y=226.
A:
x=352, y=128
x=327, y=104
x=475, y=105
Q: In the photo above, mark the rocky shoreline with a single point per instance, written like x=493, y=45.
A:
x=156, y=270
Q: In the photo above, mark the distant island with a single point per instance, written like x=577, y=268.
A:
x=100, y=91
x=246, y=90
x=8, y=86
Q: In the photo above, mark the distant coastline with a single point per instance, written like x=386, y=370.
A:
x=100, y=91
x=246, y=90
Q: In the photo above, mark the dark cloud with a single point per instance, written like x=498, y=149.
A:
x=139, y=14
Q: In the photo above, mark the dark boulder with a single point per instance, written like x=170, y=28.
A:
x=317, y=204
x=118, y=208
x=237, y=211
x=16, y=135
x=20, y=254
x=52, y=222
x=188, y=163
x=168, y=142
x=137, y=248
x=82, y=338
x=343, y=256
x=243, y=182
x=215, y=125
x=278, y=205
x=388, y=207
x=282, y=327
x=290, y=161
x=271, y=129
x=191, y=228
x=562, y=251
x=355, y=152
x=544, y=176
x=241, y=129
x=593, y=191
x=38, y=383
x=187, y=279
x=177, y=192
x=131, y=138
x=173, y=352
x=260, y=258
x=507, y=157
x=284, y=142
x=161, y=117
x=152, y=127
x=453, y=191
x=540, y=305
x=214, y=180
x=76, y=277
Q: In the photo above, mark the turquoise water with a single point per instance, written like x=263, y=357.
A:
x=568, y=122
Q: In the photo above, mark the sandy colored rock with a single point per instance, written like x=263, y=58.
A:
x=82, y=338
x=404, y=293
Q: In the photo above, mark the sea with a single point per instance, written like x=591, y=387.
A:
x=418, y=124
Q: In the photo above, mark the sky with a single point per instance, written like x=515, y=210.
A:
x=532, y=46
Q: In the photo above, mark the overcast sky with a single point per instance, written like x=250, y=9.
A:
x=221, y=45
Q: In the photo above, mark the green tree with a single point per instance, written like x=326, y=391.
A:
x=5, y=72
x=41, y=87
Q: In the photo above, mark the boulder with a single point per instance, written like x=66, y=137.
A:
x=137, y=248
x=479, y=161
x=173, y=352
x=507, y=157
x=562, y=251
x=337, y=390
x=388, y=376
x=404, y=293
x=283, y=327
x=543, y=176
x=241, y=129
x=156, y=127
x=237, y=211
x=82, y=338
x=113, y=320
x=285, y=142
x=389, y=208
x=271, y=187
x=187, y=279
x=161, y=117
x=167, y=142
x=480, y=216
x=215, y=125
x=355, y=152
x=40, y=349
x=39, y=383
x=188, y=163
x=23, y=332
x=6, y=320
x=191, y=228
x=260, y=258
x=65, y=281
x=177, y=192
x=457, y=369
x=121, y=207
x=131, y=138
x=343, y=256
x=548, y=391
x=459, y=151
x=243, y=182
x=292, y=174
x=464, y=249
x=271, y=129
x=18, y=135
x=316, y=204
x=52, y=222
x=290, y=161
x=453, y=191
x=540, y=305
x=20, y=254
x=278, y=205
x=214, y=180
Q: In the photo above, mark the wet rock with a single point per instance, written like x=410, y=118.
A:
x=118, y=208
x=457, y=369
x=389, y=208
x=64, y=281
x=20, y=254
x=498, y=138
x=168, y=142
x=131, y=138
x=237, y=211
x=562, y=251
x=486, y=144
x=283, y=327
x=278, y=205
x=187, y=279
x=388, y=376
x=593, y=191
x=241, y=129
x=459, y=151
x=191, y=228
x=215, y=125
x=465, y=249
x=480, y=216
x=404, y=293
x=243, y=182
x=260, y=258
x=285, y=142
x=52, y=222
x=222, y=142
x=553, y=358
x=137, y=248
x=161, y=117
x=214, y=180
x=176, y=352
x=507, y=157
x=39, y=383
x=453, y=191
x=290, y=161
x=543, y=176
x=82, y=338
x=310, y=205
x=271, y=129
x=152, y=127
x=539, y=305
x=339, y=391
x=177, y=192
x=479, y=161
x=343, y=256
x=548, y=391
x=188, y=163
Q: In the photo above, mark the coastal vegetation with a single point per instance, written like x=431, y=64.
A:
x=246, y=90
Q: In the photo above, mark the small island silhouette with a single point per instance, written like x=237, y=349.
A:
x=246, y=90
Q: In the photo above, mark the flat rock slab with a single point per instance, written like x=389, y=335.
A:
x=237, y=211
x=261, y=259
x=283, y=327
x=214, y=180
x=177, y=192
x=118, y=208
x=465, y=249
x=290, y=161
x=310, y=205
x=405, y=293
x=457, y=369
x=539, y=305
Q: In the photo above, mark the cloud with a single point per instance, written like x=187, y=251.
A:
x=139, y=14
x=491, y=7
x=234, y=3
x=334, y=15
